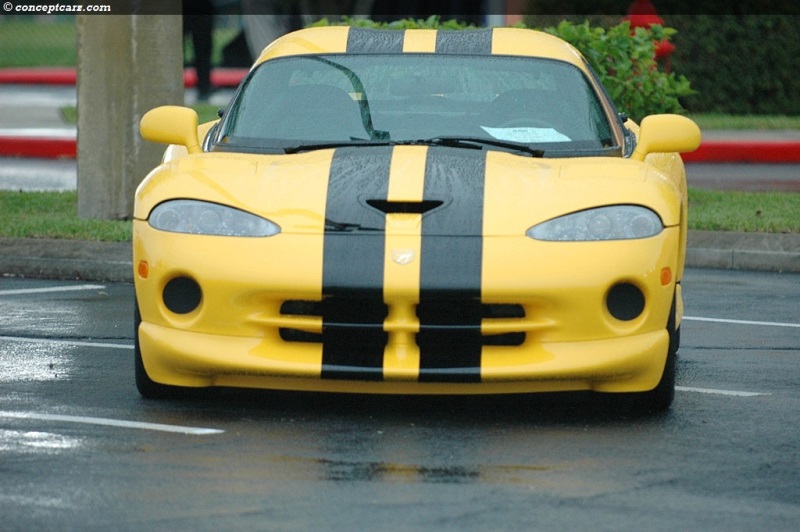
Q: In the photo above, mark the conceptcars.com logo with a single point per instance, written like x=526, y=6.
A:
x=10, y=7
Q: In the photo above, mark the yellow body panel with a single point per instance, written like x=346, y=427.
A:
x=323, y=40
x=523, y=42
x=421, y=41
x=401, y=265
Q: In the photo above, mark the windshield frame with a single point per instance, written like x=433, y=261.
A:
x=219, y=140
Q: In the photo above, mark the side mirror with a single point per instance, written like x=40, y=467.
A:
x=171, y=124
x=666, y=133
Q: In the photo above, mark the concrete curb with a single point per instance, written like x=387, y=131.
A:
x=66, y=259
x=744, y=251
x=113, y=262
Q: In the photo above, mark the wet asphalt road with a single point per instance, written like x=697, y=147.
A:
x=79, y=450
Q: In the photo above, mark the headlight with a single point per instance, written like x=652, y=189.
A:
x=616, y=222
x=204, y=218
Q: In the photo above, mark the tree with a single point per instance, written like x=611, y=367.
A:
x=127, y=64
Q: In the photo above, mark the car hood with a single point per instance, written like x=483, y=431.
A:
x=448, y=191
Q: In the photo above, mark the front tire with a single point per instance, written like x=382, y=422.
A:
x=660, y=398
x=147, y=387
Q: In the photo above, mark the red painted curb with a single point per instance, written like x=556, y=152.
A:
x=763, y=152
x=38, y=148
x=220, y=77
x=38, y=76
x=745, y=152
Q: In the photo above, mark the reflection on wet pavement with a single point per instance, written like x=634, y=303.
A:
x=32, y=361
x=35, y=441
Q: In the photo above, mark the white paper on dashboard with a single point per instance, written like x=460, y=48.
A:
x=526, y=134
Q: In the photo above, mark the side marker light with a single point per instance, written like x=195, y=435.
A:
x=666, y=276
x=143, y=269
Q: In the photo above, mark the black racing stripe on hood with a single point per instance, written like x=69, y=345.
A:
x=450, y=267
x=466, y=42
x=373, y=41
x=352, y=272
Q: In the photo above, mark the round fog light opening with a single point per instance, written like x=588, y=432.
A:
x=625, y=301
x=182, y=295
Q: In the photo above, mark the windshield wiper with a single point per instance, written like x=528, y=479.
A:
x=336, y=144
x=478, y=143
x=473, y=143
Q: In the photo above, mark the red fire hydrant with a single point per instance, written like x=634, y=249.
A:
x=643, y=14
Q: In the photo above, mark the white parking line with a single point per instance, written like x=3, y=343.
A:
x=51, y=289
x=195, y=431
x=719, y=392
x=743, y=322
x=77, y=343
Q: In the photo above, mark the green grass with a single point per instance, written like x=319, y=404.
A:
x=29, y=42
x=54, y=215
x=768, y=212
x=206, y=112
x=25, y=42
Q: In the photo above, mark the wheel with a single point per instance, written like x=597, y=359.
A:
x=660, y=398
x=147, y=387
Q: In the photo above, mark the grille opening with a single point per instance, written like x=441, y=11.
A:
x=449, y=324
x=507, y=339
x=446, y=324
x=344, y=320
x=300, y=308
x=500, y=310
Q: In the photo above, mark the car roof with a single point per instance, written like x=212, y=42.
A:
x=489, y=41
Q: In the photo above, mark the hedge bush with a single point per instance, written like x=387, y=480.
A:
x=739, y=64
x=433, y=22
x=626, y=65
x=623, y=60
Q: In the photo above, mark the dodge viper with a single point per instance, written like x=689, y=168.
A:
x=413, y=212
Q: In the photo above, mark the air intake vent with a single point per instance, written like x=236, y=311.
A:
x=404, y=207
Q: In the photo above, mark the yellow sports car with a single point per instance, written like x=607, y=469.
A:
x=413, y=212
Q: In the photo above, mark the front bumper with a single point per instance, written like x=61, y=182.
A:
x=190, y=359
x=563, y=339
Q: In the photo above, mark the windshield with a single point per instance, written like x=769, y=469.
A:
x=294, y=102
